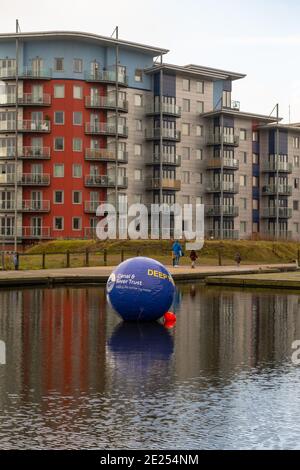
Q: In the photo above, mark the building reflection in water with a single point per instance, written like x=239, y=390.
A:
x=68, y=341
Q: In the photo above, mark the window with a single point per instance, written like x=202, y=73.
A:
x=186, y=85
x=58, y=197
x=59, y=64
x=255, y=227
x=186, y=105
x=255, y=204
x=59, y=170
x=295, y=205
x=200, y=87
x=199, y=200
x=138, y=75
x=76, y=223
x=138, y=125
x=186, y=153
x=244, y=157
x=185, y=129
x=77, y=170
x=243, y=227
x=59, y=117
x=77, y=118
x=243, y=134
x=198, y=178
x=296, y=183
x=77, y=197
x=255, y=136
x=138, y=100
x=244, y=203
x=77, y=65
x=296, y=161
x=77, y=144
x=199, y=131
x=296, y=227
x=296, y=142
x=186, y=177
x=226, y=99
x=137, y=150
x=199, y=154
x=59, y=91
x=58, y=223
x=138, y=175
x=200, y=107
x=77, y=92
x=243, y=180
x=137, y=198
x=255, y=159
x=59, y=144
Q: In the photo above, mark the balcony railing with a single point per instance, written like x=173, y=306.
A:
x=215, y=163
x=226, y=234
x=106, y=102
x=167, y=184
x=28, y=99
x=107, y=76
x=32, y=179
x=7, y=152
x=30, y=232
x=105, y=181
x=169, y=109
x=281, y=167
x=216, y=139
x=167, y=159
x=271, y=213
x=228, y=187
x=281, y=235
x=7, y=178
x=35, y=206
x=105, y=155
x=29, y=125
x=228, y=211
x=270, y=190
x=38, y=73
x=33, y=152
x=105, y=129
x=7, y=72
x=167, y=134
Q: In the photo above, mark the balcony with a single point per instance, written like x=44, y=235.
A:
x=228, y=211
x=282, y=235
x=216, y=234
x=35, y=153
x=28, y=99
x=167, y=184
x=167, y=109
x=228, y=164
x=272, y=190
x=28, y=232
x=109, y=77
x=281, y=167
x=103, y=128
x=167, y=159
x=271, y=213
x=8, y=73
x=30, y=73
x=7, y=179
x=35, y=206
x=34, y=126
x=105, y=181
x=228, y=187
x=32, y=179
x=229, y=140
x=167, y=134
x=105, y=155
x=106, y=102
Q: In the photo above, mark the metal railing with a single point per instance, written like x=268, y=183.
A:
x=284, y=167
x=228, y=187
x=104, y=128
x=106, y=76
x=35, y=206
x=225, y=234
x=30, y=232
x=232, y=163
x=29, y=99
x=228, y=211
x=7, y=72
x=29, y=72
x=105, y=181
x=216, y=139
x=29, y=125
x=270, y=190
x=166, y=159
x=167, y=108
x=35, y=152
x=105, y=102
x=271, y=212
x=167, y=134
x=35, y=179
x=167, y=183
x=105, y=155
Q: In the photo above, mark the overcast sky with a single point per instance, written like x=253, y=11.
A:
x=260, y=37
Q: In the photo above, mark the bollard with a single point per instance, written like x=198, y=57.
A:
x=87, y=257
x=122, y=256
x=220, y=257
x=68, y=259
x=3, y=261
x=105, y=256
x=44, y=260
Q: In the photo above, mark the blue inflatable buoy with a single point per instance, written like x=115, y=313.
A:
x=140, y=289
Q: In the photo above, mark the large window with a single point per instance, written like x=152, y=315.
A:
x=58, y=223
x=59, y=170
x=138, y=75
x=200, y=87
x=59, y=91
x=200, y=107
x=77, y=118
x=77, y=92
x=59, y=117
x=58, y=197
x=59, y=144
x=77, y=170
x=77, y=197
x=77, y=144
x=185, y=129
x=138, y=100
x=186, y=105
x=77, y=65
x=186, y=84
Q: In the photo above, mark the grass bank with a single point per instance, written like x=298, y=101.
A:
x=252, y=252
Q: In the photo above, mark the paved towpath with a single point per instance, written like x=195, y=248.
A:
x=100, y=275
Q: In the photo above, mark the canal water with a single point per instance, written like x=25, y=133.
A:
x=76, y=377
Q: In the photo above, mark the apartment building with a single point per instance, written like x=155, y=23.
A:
x=86, y=119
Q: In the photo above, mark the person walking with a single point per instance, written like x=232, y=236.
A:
x=16, y=260
x=238, y=259
x=194, y=258
x=177, y=252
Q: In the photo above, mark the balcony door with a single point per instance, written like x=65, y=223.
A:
x=7, y=199
x=37, y=65
x=36, y=226
x=37, y=93
x=36, y=199
x=37, y=145
x=7, y=225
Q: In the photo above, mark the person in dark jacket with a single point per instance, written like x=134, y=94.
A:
x=238, y=259
x=16, y=260
x=194, y=258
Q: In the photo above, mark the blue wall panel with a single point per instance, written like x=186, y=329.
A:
x=283, y=142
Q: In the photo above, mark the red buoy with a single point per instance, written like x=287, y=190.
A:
x=170, y=317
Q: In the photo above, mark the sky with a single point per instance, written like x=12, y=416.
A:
x=260, y=38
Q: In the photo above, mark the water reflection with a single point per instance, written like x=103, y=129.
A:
x=81, y=378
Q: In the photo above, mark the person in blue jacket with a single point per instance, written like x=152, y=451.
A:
x=177, y=251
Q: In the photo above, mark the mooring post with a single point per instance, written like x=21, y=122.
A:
x=43, y=260
x=87, y=257
x=105, y=256
x=68, y=259
x=122, y=255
